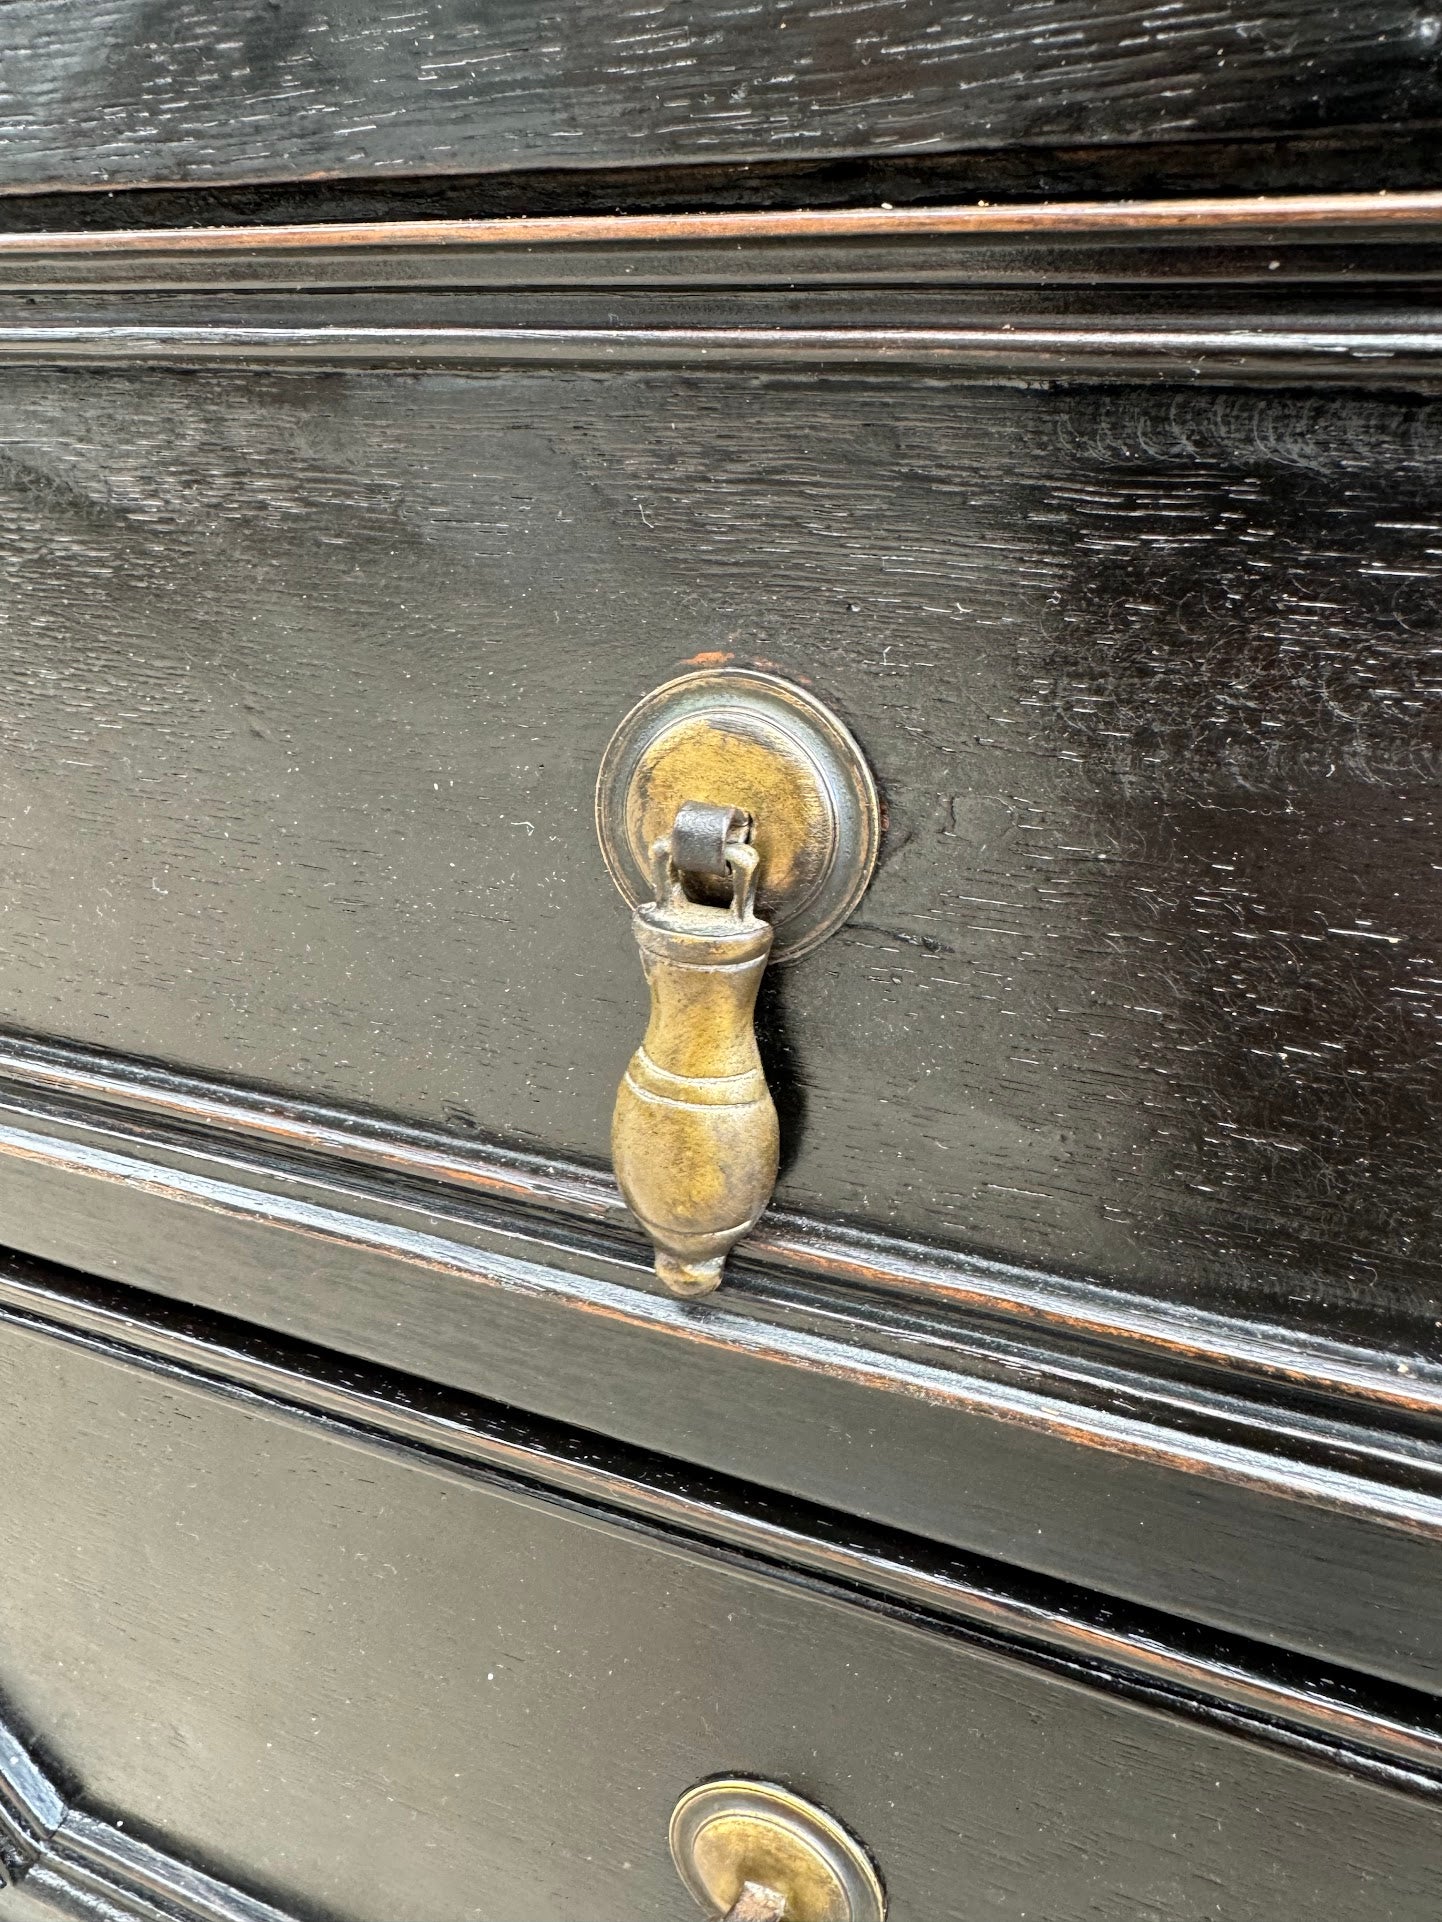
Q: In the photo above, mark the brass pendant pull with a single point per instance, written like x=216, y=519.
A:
x=756, y=1852
x=694, y=1136
x=739, y=818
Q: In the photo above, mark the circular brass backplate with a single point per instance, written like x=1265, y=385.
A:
x=729, y=1832
x=739, y=738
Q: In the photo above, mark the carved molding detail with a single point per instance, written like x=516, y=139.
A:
x=160, y=1120
x=71, y=1863
x=1221, y=288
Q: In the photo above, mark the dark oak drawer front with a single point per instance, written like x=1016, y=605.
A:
x=130, y=92
x=308, y=677
x=443, y=1696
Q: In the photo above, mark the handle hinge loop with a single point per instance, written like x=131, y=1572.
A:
x=711, y=842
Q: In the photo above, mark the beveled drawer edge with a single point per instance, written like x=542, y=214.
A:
x=1381, y=354
x=1387, y=1731
x=1363, y=1474
x=1013, y=1449
x=96, y=1088
x=73, y=1863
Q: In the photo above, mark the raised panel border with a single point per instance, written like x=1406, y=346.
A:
x=67, y=1862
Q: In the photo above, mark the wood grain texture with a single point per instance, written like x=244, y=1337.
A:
x=306, y=678
x=137, y=92
x=445, y=1699
x=1386, y=158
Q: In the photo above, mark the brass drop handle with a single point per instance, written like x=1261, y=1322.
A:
x=694, y=1136
x=756, y=1852
x=739, y=818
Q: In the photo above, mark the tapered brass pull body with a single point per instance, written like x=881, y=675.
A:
x=694, y=1136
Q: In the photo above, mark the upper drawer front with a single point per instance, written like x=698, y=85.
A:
x=364, y=1682
x=307, y=672
x=133, y=92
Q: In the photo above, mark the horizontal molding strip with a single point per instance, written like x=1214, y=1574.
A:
x=1371, y=353
x=95, y=1087
x=1258, y=289
x=1328, y=1489
x=1388, y=1731
x=1349, y=215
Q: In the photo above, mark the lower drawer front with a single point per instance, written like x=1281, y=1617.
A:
x=360, y=1681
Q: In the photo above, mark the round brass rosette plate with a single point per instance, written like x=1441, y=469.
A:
x=739, y=738
x=730, y=1832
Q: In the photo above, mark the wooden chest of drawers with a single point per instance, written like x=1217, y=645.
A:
x=1050, y=1493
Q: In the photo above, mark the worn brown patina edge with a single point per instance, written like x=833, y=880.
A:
x=1354, y=215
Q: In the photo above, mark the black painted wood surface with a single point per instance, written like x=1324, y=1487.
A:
x=306, y=677
x=445, y=1696
x=132, y=92
x=1053, y=1489
x=58, y=1860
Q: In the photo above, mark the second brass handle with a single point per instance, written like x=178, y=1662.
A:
x=752, y=1851
x=694, y=1137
